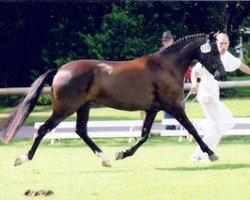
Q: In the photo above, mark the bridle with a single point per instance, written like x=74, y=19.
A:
x=206, y=48
x=216, y=66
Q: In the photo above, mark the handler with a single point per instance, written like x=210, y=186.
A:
x=218, y=117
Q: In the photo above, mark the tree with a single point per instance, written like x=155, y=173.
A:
x=237, y=13
x=35, y=37
x=120, y=37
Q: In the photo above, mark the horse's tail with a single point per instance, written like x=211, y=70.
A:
x=13, y=123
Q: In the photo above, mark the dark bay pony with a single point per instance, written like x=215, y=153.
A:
x=151, y=83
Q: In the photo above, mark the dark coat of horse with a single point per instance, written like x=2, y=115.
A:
x=150, y=83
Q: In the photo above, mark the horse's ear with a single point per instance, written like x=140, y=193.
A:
x=212, y=36
x=215, y=34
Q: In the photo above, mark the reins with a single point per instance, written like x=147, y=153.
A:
x=184, y=100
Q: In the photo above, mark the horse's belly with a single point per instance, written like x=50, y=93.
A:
x=123, y=104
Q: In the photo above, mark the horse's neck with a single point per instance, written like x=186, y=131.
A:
x=187, y=52
x=182, y=53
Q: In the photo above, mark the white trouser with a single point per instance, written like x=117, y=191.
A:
x=218, y=118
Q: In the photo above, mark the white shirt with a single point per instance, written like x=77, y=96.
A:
x=209, y=87
x=230, y=62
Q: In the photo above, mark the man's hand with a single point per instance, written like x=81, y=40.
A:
x=244, y=68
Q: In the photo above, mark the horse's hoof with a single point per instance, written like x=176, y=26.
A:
x=106, y=163
x=20, y=160
x=213, y=157
x=17, y=162
x=119, y=156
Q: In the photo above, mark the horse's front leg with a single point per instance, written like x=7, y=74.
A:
x=185, y=122
x=150, y=116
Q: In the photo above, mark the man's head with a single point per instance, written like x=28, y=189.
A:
x=222, y=42
x=167, y=39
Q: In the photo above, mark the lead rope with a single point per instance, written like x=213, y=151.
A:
x=188, y=97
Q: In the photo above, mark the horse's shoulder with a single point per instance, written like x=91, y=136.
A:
x=153, y=64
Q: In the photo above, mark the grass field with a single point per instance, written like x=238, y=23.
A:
x=160, y=170
x=193, y=110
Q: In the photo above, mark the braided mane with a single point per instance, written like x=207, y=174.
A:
x=173, y=46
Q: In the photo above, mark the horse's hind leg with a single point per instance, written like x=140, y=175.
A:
x=150, y=116
x=81, y=130
x=51, y=123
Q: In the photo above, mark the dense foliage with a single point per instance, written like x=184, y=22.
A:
x=37, y=36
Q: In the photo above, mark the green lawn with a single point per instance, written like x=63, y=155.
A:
x=239, y=108
x=160, y=170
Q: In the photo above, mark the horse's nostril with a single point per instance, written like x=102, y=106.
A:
x=217, y=78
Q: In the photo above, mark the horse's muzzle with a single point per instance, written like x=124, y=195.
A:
x=223, y=78
x=219, y=77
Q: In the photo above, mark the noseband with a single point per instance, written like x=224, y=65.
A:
x=215, y=66
x=217, y=73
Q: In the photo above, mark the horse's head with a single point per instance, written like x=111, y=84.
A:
x=209, y=57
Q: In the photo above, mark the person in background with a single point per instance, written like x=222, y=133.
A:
x=167, y=40
x=218, y=117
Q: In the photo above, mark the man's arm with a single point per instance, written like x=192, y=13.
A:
x=244, y=68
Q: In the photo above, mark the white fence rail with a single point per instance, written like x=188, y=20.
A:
x=46, y=90
x=96, y=129
x=242, y=127
x=21, y=90
x=132, y=129
x=180, y=132
x=226, y=84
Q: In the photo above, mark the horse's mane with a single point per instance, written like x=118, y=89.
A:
x=180, y=41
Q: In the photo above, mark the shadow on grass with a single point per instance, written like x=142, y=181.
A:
x=174, y=169
x=230, y=166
